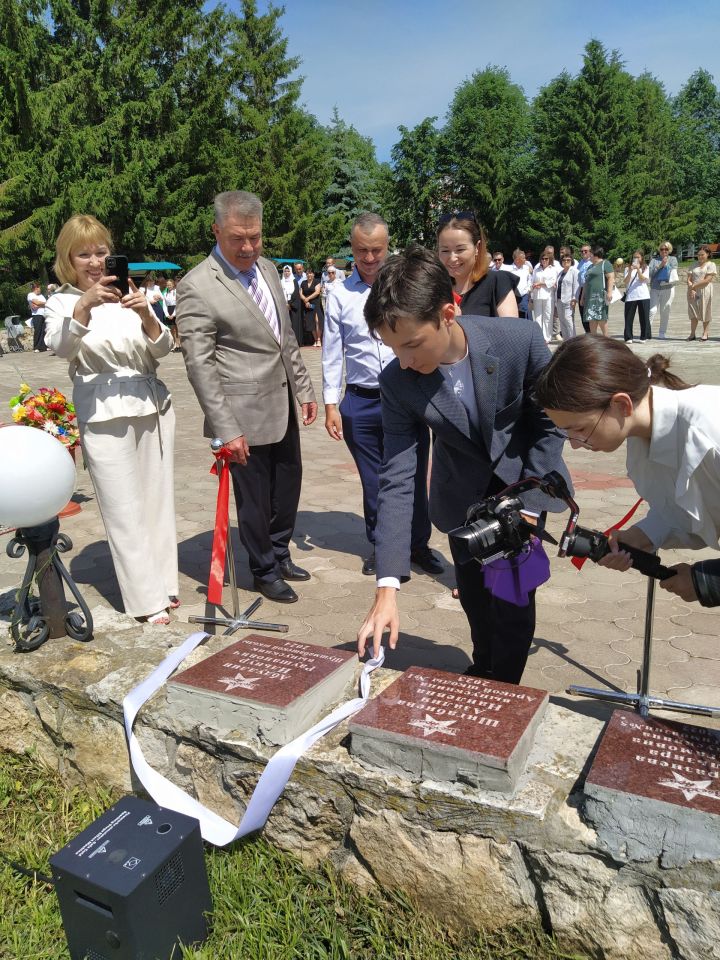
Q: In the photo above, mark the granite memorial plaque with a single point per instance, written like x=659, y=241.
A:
x=265, y=689
x=432, y=725
x=654, y=789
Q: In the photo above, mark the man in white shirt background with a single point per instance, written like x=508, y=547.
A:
x=358, y=418
x=523, y=271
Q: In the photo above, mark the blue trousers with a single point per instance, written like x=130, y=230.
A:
x=363, y=433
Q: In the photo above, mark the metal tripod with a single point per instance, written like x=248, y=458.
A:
x=643, y=700
x=239, y=620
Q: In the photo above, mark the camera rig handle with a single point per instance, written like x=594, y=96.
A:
x=577, y=541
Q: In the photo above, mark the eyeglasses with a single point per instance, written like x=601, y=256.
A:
x=497, y=259
x=544, y=258
x=665, y=248
x=585, y=442
x=457, y=215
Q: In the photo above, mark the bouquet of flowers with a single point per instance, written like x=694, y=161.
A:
x=47, y=409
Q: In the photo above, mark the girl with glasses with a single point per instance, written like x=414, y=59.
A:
x=603, y=396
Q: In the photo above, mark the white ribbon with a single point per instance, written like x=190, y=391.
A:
x=274, y=777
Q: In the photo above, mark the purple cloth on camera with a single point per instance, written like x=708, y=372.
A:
x=513, y=579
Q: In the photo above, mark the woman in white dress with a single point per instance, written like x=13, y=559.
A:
x=542, y=294
x=125, y=418
x=700, y=292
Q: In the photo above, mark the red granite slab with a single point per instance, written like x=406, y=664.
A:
x=442, y=709
x=264, y=670
x=660, y=759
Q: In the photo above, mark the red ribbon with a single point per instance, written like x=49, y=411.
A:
x=219, y=547
x=579, y=561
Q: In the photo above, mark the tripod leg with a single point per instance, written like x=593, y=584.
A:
x=644, y=674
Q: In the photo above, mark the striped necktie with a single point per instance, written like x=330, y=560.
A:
x=261, y=300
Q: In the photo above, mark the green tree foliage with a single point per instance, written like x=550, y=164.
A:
x=140, y=113
x=696, y=151
x=601, y=156
x=354, y=184
x=487, y=130
x=416, y=188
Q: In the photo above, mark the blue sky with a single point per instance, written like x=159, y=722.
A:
x=391, y=62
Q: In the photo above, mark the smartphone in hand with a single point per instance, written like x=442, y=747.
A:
x=116, y=265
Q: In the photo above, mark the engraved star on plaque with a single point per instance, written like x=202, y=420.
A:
x=431, y=725
x=239, y=682
x=690, y=788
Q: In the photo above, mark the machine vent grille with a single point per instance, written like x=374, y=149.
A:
x=91, y=954
x=169, y=878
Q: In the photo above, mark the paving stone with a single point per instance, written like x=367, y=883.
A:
x=698, y=646
x=663, y=653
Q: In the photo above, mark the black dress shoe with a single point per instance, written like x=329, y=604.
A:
x=290, y=572
x=276, y=590
x=473, y=671
x=368, y=567
x=426, y=560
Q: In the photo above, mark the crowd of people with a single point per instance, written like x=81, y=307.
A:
x=449, y=344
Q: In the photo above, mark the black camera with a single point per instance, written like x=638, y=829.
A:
x=495, y=528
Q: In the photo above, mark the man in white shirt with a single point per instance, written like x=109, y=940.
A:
x=358, y=418
x=498, y=261
x=523, y=271
x=36, y=303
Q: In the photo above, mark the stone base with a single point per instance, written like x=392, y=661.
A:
x=432, y=725
x=264, y=689
x=468, y=856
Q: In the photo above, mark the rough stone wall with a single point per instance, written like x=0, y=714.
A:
x=475, y=858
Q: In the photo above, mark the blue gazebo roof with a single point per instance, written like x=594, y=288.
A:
x=155, y=265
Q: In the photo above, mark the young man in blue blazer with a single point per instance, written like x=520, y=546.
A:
x=470, y=380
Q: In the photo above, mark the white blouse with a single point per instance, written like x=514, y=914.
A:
x=113, y=362
x=678, y=470
x=547, y=276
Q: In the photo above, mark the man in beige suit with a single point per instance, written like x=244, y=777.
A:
x=244, y=364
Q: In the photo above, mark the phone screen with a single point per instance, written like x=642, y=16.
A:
x=116, y=265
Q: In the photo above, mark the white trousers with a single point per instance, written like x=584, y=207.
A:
x=135, y=493
x=660, y=303
x=566, y=312
x=543, y=311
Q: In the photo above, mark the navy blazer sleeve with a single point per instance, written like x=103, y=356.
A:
x=397, y=485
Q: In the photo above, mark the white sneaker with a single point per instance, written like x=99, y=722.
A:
x=629, y=341
x=660, y=336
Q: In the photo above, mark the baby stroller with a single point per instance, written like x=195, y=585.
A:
x=15, y=331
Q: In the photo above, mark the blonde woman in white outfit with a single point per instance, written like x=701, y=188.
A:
x=126, y=421
x=542, y=294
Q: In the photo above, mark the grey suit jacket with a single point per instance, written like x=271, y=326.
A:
x=516, y=439
x=239, y=371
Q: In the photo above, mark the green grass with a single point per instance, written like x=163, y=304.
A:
x=267, y=906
